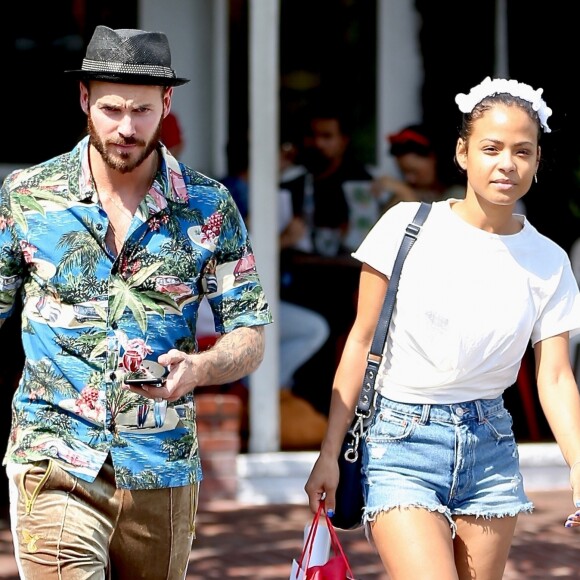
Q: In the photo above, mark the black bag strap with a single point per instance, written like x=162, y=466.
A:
x=365, y=404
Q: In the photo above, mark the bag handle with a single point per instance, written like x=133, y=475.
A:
x=365, y=406
x=375, y=356
x=309, y=543
x=411, y=233
x=337, y=546
x=304, y=560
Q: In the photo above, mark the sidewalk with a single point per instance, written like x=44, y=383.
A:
x=259, y=542
x=257, y=535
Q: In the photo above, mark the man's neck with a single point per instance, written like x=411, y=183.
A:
x=133, y=185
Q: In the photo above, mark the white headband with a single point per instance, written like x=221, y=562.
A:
x=489, y=87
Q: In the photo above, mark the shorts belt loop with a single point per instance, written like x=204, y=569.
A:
x=480, y=411
x=425, y=412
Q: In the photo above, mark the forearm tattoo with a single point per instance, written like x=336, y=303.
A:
x=235, y=355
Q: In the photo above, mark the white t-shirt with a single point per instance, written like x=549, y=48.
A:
x=468, y=305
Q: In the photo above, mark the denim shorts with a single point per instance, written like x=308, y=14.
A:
x=458, y=459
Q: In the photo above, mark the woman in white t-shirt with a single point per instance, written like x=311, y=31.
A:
x=441, y=467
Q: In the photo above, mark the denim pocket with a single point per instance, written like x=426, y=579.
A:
x=391, y=425
x=500, y=425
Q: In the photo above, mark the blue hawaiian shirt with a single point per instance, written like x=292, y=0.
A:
x=89, y=318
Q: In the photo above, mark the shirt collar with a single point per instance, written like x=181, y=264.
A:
x=168, y=184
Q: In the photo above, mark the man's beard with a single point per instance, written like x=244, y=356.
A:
x=121, y=162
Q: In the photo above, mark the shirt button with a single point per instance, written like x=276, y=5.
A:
x=113, y=376
x=99, y=227
x=114, y=326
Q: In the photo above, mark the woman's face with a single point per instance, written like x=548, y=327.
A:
x=419, y=171
x=501, y=155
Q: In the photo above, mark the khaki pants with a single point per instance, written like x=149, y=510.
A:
x=67, y=529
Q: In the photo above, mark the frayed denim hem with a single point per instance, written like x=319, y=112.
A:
x=370, y=516
x=527, y=508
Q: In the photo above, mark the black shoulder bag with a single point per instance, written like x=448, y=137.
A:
x=350, y=499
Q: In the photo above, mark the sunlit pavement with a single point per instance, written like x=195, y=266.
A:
x=238, y=540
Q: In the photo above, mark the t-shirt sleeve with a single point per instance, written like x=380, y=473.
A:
x=561, y=312
x=379, y=247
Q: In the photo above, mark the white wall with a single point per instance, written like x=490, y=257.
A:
x=399, y=73
x=196, y=31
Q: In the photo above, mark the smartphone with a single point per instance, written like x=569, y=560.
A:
x=149, y=381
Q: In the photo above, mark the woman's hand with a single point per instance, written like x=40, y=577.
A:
x=322, y=483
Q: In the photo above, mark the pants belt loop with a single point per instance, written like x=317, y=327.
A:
x=425, y=412
x=480, y=411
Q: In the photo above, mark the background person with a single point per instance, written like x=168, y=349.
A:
x=109, y=247
x=317, y=269
x=440, y=462
x=302, y=331
x=423, y=176
x=318, y=194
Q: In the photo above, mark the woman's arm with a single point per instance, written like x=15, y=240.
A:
x=560, y=400
x=346, y=386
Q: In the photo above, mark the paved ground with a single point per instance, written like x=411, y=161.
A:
x=259, y=542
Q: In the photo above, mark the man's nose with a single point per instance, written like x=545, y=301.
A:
x=126, y=126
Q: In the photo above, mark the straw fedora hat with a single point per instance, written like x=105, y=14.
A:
x=128, y=56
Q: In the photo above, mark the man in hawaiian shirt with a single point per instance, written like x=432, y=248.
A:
x=111, y=247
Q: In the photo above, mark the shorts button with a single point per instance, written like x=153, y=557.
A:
x=460, y=411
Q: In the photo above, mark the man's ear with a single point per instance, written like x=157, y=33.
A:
x=84, y=97
x=461, y=153
x=167, y=101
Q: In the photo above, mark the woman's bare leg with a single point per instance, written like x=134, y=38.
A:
x=415, y=543
x=482, y=546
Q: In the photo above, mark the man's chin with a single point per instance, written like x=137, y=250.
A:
x=123, y=162
x=125, y=168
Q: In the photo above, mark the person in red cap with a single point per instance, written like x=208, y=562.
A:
x=422, y=176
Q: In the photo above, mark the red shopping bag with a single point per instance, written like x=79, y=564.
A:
x=336, y=568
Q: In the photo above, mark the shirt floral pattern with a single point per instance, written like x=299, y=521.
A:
x=90, y=318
